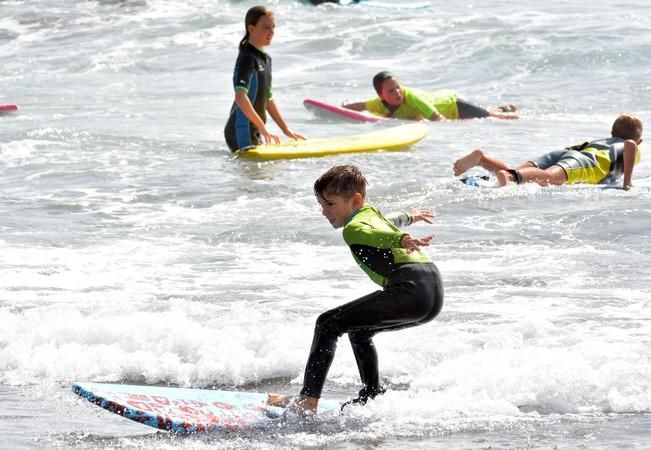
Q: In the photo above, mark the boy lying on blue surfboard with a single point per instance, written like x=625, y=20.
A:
x=595, y=162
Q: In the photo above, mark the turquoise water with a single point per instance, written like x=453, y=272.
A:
x=134, y=249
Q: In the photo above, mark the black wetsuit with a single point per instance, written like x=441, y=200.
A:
x=252, y=74
x=412, y=295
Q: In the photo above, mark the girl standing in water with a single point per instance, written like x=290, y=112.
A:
x=246, y=127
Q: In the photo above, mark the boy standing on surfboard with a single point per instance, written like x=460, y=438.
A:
x=595, y=162
x=401, y=102
x=246, y=127
x=411, y=295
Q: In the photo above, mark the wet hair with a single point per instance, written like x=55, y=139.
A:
x=627, y=126
x=252, y=17
x=344, y=181
x=380, y=78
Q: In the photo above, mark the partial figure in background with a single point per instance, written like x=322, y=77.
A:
x=246, y=125
x=401, y=102
x=595, y=162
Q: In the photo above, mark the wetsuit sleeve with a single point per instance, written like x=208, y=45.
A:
x=361, y=233
x=399, y=218
x=420, y=102
x=244, y=72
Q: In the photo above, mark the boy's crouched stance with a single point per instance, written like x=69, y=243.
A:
x=412, y=289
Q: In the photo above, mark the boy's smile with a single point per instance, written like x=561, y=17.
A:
x=338, y=209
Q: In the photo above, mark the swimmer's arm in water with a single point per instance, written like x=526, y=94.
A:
x=436, y=116
x=357, y=106
x=630, y=150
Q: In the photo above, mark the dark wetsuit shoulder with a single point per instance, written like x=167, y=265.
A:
x=252, y=66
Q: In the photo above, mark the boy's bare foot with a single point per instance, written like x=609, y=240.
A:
x=469, y=161
x=281, y=401
x=303, y=405
x=306, y=405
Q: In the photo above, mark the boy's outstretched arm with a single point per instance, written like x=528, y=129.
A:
x=411, y=243
x=630, y=152
x=421, y=214
x=403, y=219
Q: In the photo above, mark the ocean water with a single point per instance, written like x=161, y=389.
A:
x=135, y=249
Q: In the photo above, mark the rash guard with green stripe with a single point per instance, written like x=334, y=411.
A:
x=375, y=242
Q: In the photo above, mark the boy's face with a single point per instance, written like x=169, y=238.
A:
x=338, y=209
x=391, y=92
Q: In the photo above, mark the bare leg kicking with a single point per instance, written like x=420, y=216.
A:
x=478, y=158
x=554, y=175
x=525, y=172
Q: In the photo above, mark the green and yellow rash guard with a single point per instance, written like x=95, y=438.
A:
x=607, y=161
x=375, y=242
x=418, y=105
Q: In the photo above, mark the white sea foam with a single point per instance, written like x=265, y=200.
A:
x=135, y=249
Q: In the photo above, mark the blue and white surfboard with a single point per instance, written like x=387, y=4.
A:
x=186, y=410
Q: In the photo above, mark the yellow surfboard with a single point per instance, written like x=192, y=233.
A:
x=393, y=138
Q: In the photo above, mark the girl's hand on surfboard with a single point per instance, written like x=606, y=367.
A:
x=422, y=214
x=411, y=243
x=268, y=137
x=296, y=136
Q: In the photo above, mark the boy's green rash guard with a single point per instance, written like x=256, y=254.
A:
x=375, y=243
x=419, y=105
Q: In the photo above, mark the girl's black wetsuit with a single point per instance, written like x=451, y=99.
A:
x=412, y=295
x=252, y=74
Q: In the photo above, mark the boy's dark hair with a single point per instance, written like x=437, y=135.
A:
x=252, y=17
x=345, y=181
x=627, y=126
x=380, y=78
